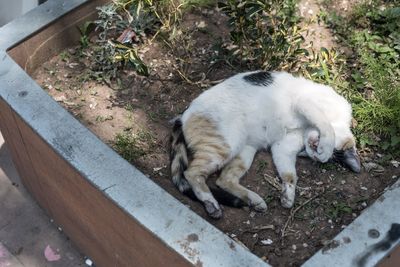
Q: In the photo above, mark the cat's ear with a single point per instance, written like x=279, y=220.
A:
x=348, y=156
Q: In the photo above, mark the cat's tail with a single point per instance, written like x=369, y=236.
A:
x=179, y=163
x=179, y=159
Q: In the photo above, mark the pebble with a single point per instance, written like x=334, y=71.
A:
x=201, y=24
x=364, y=188
x=88, y=262
x=395, y=163
x=364, y=204
x=72, y=51
x=294, y=247
x=266, y=242
x=305, y=245
x=343, y=182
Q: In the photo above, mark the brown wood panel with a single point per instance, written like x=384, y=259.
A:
x=19, y=154
x=55, y=37
x=98, y=226
x=392, y=260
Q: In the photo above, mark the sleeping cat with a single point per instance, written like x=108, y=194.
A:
x=226, y=125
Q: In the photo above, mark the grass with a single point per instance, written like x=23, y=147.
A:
x=133, y=145
x=371, y=30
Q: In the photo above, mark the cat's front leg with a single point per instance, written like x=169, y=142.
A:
x=316, y=118
x=284, y=154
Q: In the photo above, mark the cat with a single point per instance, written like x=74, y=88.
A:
x=226, y=125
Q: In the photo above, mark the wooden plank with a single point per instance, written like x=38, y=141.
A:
x=97, y=225
x=55, y=37
x=19, y=154
x=392, y=260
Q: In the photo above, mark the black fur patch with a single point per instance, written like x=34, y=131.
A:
x=261, y=78
x=177, y=125
x=225, y=198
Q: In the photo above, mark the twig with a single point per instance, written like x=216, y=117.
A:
x=293, y=212
x=271, y=180
x=260, y=228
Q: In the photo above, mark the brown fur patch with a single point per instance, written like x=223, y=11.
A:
x=203, y=138
x=348, y=143
x=288, y=177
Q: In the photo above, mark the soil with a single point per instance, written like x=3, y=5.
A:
x=329, y=197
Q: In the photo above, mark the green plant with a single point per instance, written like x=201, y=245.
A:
x=85, y=30
x=264, y=34
x=132, y=146
x=371, y=30
x=337, y=209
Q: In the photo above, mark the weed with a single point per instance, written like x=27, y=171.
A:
x=85, y=29
x=372, y=32
x=64, y=56
x=264, y=34
x=262, y=164
x=337, y=209
x=131, y=146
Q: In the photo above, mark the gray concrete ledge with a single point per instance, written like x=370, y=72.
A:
x=155, y=209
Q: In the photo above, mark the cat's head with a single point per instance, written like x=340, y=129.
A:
x=345, y=151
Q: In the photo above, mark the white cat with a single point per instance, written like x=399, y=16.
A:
x=226, y=125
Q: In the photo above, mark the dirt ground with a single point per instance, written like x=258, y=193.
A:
x=329, y=197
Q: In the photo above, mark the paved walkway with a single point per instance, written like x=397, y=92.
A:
x=27, y=236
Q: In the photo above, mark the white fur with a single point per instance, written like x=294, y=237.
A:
x=259, y=116
x=281, y=116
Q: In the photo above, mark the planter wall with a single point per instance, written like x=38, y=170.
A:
x=115, y=214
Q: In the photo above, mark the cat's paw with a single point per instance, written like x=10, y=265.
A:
x=213, y=210
x=325, y=149
x=256, y=202
x=288, y=195
x=260, y=207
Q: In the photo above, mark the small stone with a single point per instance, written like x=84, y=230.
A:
x=201, y=24
x=364, y=204
x=343, y=182
x=330, y=221
x=88, y=262
x=394, y=177
x=354, y=215
x=233, y=235
x=252, y=214
x=364, y=188
x=266, y=242
x=395, y=163
x=305, y=245
x=72, y=51
x=294, y=247
x=323, y=171
x=247, y=222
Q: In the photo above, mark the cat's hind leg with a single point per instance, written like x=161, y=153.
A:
x=210, y=153
x=284, y=154
x=230, y=177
